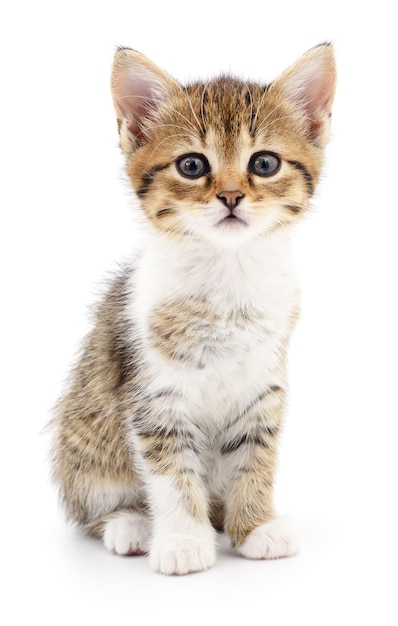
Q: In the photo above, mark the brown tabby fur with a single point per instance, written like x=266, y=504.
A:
x=229, y=118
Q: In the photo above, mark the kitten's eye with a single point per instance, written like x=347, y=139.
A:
x=264, y=164
x=193, y=165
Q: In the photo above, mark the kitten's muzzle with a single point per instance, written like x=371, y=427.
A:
x=231, y=199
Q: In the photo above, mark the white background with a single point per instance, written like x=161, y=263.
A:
x=65, y=222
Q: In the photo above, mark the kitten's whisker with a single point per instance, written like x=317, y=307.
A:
x=281, y=104
x=171, y=126
x=251, y=109
x=194, y=133
x=184, y=117
x=267, y=116
x=202, y=131
x=130, y=96
x=265, y=125
x=273, y=110
x=202, y=106
x=254, y=124
x=160, y=143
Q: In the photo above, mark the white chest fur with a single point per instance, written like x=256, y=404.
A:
x=230, y=311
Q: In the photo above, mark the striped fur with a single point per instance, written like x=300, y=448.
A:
x=170, y=425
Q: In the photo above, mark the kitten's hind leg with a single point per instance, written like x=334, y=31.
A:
x=125, y=532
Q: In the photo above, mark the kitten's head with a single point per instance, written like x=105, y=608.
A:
x=225, y=160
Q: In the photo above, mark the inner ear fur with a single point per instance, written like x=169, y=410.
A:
x=138, y=88
x=309, y=84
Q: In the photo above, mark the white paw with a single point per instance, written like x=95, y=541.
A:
x=182, y=554
x=272, y=540
x=127, y=533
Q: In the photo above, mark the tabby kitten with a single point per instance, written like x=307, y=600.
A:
x=169, y=427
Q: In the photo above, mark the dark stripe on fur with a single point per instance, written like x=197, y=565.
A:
x=165, y=211
x=306, y=175
x=162, y=434
x=148, y=178
x=236, y=443
x=294, y=208
x=272, y=389
x=246, y=439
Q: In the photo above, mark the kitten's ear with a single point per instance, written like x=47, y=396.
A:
x=138, y=87
x=310, y=85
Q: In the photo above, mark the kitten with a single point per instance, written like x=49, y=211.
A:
x=169, y=428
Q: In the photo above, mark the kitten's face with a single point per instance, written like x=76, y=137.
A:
x=225, y=161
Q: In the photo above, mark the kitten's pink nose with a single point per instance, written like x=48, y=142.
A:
x=230, y=198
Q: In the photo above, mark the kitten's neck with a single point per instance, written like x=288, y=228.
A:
x=191, y=255
x=227, y=276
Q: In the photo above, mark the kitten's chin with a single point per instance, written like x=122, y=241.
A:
x=229, y=233
x=231, y=222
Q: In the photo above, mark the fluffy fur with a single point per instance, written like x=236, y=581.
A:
x=169, y=427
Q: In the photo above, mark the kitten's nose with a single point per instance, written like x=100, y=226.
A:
x=230, y=198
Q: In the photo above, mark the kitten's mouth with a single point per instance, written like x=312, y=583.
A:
x=231, y=220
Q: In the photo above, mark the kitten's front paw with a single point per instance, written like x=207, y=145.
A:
x=127, y=533
x=181, y=554
x=272, y=540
